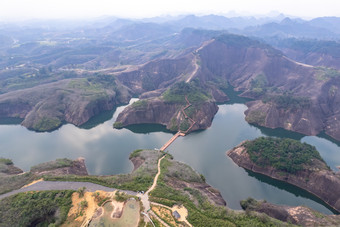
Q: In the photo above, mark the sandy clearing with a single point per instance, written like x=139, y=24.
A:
x=117, y=209
x=92, y=206
x=183, y=212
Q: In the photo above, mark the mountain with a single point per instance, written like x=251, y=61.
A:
x=288, y=28
x=149, y=59
x=310, y=51
x=287, y=94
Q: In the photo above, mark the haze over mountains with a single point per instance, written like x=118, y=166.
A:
x=54, y=72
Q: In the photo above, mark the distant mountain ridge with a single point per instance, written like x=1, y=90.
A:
x=291, y=80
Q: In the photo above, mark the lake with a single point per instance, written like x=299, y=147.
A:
x=106, y=151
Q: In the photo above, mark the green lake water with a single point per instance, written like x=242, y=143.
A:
x=106, y=151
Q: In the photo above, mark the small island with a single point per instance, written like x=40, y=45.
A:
x=290, y=161
x=183, y=107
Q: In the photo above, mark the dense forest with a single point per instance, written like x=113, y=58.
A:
x=287, y=155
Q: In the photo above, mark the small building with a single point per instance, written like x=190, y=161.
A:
x=176, y=214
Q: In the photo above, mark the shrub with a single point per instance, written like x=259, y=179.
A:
x=81, y=192
x=118, y=125
x=6, y=161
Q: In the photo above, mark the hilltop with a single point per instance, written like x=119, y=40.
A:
x=292, y=162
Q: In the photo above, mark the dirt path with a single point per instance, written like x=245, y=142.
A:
x=180, y=209
x=145, y=197
x=156, y=177
x=195, y=60
x=299, y=63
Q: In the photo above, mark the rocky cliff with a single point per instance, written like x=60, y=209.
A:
x=7, y=167
x=287, y=94
x=46, y=107
x=158, y=111
x=61, y=167
x=323, y=183
x=296, y=215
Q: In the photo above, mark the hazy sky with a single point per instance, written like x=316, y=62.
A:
x=24, y=9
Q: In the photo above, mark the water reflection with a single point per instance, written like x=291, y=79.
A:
x=147, y=128
x=106, y=151
x=289, y=188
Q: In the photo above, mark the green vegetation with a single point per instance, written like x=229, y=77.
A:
x=11, y=182
x=256, y=117
x=201, y=211
x=6, y=161
x=249, y=203
x=121, y=196
x=47, y=124
x=81, y=192
x=35, y=208
x=184, y=125
x=84, y=85
x=139, y=180
x=192, y=90
x=6, y=166
x=173, y=124
x=287, y=155
x=140, y=104
x=58, y=163
x=239, y=41
x=83, y=204
x=105, y=81
x=148, y=82
x=258, y=85
x=312, y=45
x=324, y=73
x=135, y=153
x=288, y=101
x=332, y=91
x=118, y=125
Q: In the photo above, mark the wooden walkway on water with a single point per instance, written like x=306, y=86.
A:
x=179, y=133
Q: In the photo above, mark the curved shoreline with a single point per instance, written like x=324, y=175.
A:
x=243, y=160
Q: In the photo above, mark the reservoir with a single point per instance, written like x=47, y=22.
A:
x=106, y=151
